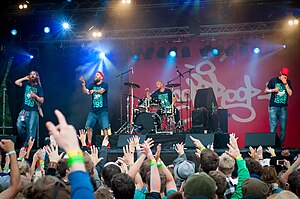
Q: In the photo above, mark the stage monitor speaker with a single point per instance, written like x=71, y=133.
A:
x=223, y=119
x=221, y=140
x=205, y=98
x=13, y=138
x=264, y=139
x=122, y=141
x=199, y=120
x=206, y=139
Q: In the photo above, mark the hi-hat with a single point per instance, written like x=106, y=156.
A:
x=132, y=85
x=173, y=85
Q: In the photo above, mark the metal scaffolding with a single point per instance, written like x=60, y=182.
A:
x=167, y=32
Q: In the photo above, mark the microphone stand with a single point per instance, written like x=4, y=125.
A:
x=121, y=91
x=189, y=114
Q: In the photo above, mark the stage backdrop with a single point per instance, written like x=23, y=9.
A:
x=238, y=81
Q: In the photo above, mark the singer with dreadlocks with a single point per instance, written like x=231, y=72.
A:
x=28, y=118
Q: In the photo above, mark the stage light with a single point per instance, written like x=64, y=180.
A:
x=102, y=55
x=256, y=50
x=20, y=6
x=290, y=22
x=31, y=56
x=135, y=57
x=161, y=53
x=283, y=46
x=25, y=6
x=148, y=53
x=296, y=21
x=185, y=51
x=96, y=34
x=215, y=52
x=46, y=30
x=229, y=51
x=14, y=32
x=126, y=1
x=172, y=53
x=66, y=25
x=205, y=51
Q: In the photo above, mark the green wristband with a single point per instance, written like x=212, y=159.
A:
x=6, y=169
x=11, y=152
x=153, y=164
x=75, y=159
x=20, y=159
x=159, y=165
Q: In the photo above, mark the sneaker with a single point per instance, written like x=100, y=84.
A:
x=108, y=146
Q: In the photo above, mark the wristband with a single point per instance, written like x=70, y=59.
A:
x=74, y=153
x=152, y=161
x=153, y=164
x=20, y=158
x=239, y=157
x=75, y=159
x=273, y=155
x=6, y=169
x=83, y=84
x=202, y=148
x=159, y=165
x=11, y=152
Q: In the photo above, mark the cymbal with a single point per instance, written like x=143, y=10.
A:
x=132, y=85
x=129, y=95
x=173, y=85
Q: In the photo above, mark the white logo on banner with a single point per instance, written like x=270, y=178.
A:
x=204, y=77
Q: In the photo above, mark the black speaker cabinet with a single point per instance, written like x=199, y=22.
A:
x=264, y=139
x=206, y=139
x=205, y=98
x=199, y=120
x=122, y=141
x=223, y=119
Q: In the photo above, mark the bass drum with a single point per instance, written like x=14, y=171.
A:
x=147, y=122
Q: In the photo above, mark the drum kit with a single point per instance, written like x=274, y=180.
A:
x=148, y=116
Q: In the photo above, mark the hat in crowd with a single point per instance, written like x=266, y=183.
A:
x=253, y=186
x=284, y=195
x=4, y=182
x=284, y=71
x=100, y=73
x=184, y=169
x=200, y=184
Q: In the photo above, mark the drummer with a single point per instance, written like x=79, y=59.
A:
x=165, y=97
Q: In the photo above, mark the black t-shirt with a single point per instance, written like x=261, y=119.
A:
x=30, y=104
x=165, y=97
x=153, y=195
x=280, y=98
x=99, y=101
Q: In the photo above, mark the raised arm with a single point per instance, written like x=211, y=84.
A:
x=15, y=180
x=18, y=82
x=83, y=87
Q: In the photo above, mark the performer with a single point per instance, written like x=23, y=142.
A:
x=280, y=89
x=28, y=119
x=99, y=110
x=165, y=96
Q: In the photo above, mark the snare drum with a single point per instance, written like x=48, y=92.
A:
x=155, y=104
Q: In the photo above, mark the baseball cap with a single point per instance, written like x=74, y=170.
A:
x=284, y=71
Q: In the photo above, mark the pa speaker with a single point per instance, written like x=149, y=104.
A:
x=206, y=139
x=205, y=98
x=122, y=141
x=264, y=139
x=199, y=120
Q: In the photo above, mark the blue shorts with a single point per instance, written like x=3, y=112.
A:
x=101, y=117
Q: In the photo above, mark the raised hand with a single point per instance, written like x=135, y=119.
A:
x=52, y=152
x=128, y=157
x=197, y=142
x=233, y=140
x=82, y=80
x=179, y=148
x=64, y=134
x=158, y=151
x=7, y=145
x=132, y=144
x=22, y=152
x=270, y=150
x=94, y=155
x=234, y=153
x=252, y=153
x=149, y=142
x=82, y=136
x=30, y=143
x=259, y=152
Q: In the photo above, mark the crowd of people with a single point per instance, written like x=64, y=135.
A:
x=82, y=171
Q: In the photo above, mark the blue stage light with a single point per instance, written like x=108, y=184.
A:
x=46, y=30
x=135, y=57
x=66, y=25
x=256, y=50
x=172, y=53
x=31, y=56
x=14, y=32
x=215, y=52
x=102, y=55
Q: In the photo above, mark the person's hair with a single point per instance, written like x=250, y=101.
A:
x=103, y=193
x=293, y=181
x=45, y=187
x=38, y=79
x=171, y=169
x=226, y=164
x=209, y=160
x=23, y=167
x=108, y=172
x=89, y=165
x=280, y=184
x=144, y=169
x=176, y=195
x=221, y=182
x=163, y=181
x=253, y=166
x=62, y=167
x=122, y=186
x=269, y=175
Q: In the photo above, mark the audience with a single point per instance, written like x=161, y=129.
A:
x=79, y=172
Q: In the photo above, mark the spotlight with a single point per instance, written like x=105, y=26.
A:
x=20, y=6
x=283, y=46
x=14, y=32
x=215, y=52
x=148, y=53
x=135, y=57
x=96, y=34
x=102, y=55
x=290, y=22
x=229, y=51
x=25, y=6
x=66, y=25
x=161, y=53
x=126, y=1
x=296, y=21
x=31, y=56
x=205, y=51
x=256, y=50
x=172, y=53
x=185, y=51
x=46, y=30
